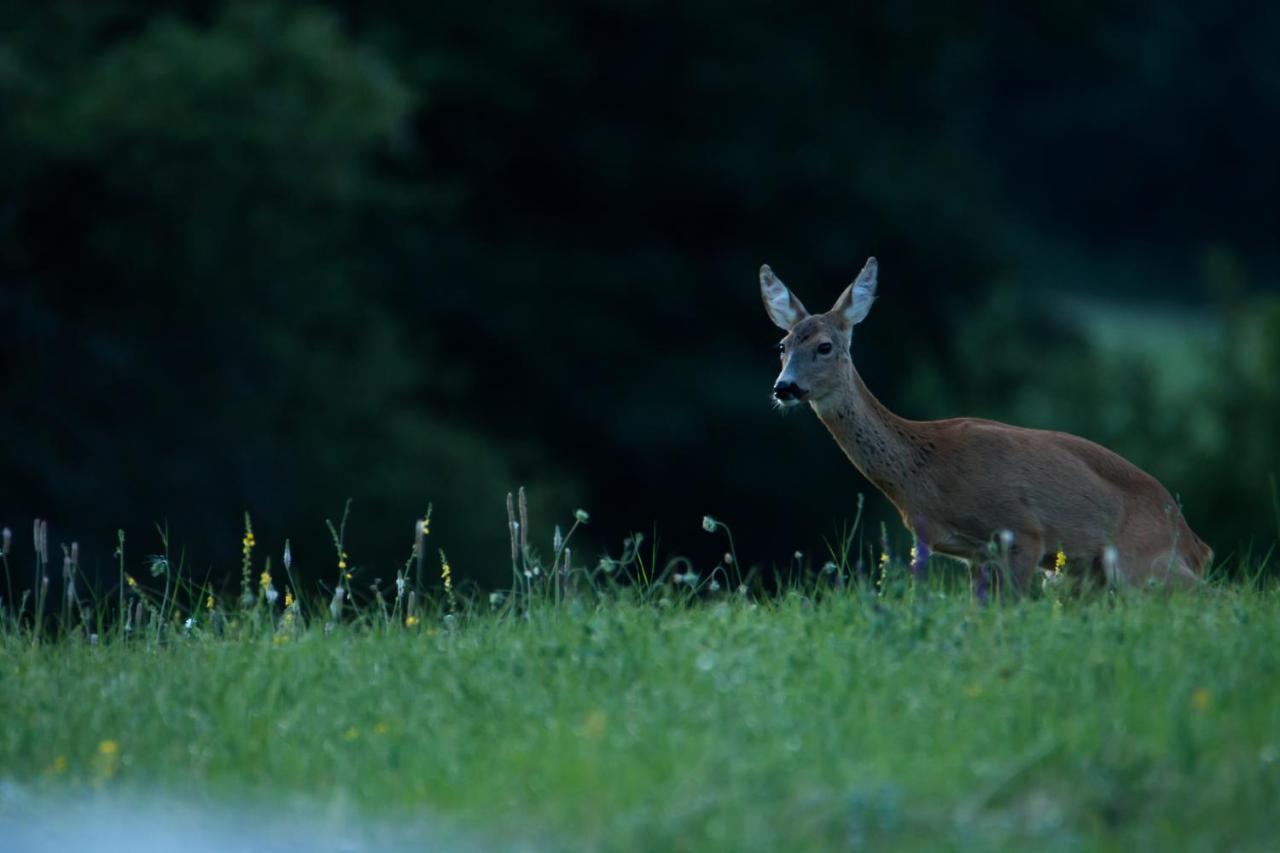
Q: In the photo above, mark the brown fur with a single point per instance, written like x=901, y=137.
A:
x=958, y=483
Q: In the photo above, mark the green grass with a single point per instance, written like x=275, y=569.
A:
x=920, y=720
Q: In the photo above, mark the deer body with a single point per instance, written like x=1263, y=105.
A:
x=961, y=484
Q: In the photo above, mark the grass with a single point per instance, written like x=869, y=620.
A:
x=648, y=717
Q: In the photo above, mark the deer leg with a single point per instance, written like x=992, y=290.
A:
x=980, y=577
x=920, y=563
x=1021, y=554
x=1025, y=556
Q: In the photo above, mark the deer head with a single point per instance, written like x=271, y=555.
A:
x=815, y=351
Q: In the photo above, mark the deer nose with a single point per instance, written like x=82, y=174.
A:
x=789, y=391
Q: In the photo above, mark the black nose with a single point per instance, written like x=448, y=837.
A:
x=788, y=391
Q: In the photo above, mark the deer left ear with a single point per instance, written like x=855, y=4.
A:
x=855, y=302
x=781, y=304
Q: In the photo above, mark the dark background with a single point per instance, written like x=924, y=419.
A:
x=265, y=257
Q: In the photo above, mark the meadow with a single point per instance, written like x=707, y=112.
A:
x=671, y=711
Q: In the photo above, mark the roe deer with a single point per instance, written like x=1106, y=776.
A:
x=961, y=483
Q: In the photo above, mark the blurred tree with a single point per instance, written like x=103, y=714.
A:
x=267, y=255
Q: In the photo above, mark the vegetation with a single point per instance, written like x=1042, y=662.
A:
x=620, y=707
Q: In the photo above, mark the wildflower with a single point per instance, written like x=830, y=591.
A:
x=264, y=580
x=1060, y=561
x=189, y=624
x=709, y=524
x=107, y=761
x=410, y=621
x=1110, y=567
x=288, y=598
x=1201, y=700
x=133, y=584
x=446, y=576
x=272, y=595
x=593, y=724
x=580, y=515
x=884, y=558
x=915, y=554
x=208, y=603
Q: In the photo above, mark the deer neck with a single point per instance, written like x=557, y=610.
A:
x=880, y=444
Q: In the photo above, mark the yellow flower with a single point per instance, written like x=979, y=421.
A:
x=133, y=584
x=107, y=761
x=1201, y=700
x=288, y=597
x=381, y=728
x=884, y=558
x=342, y=564
x=593, y=725
x=264, y=580
x=410, y=621
x=208, y=603
x=1060, y=561
x=915, y=555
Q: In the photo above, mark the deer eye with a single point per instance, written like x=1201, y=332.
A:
x=824, y=348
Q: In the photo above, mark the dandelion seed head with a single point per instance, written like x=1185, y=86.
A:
x=709, y=524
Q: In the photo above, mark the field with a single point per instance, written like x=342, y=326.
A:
x=652, y=718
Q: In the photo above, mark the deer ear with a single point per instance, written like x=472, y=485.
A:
x=781, y=304
x=855, y=302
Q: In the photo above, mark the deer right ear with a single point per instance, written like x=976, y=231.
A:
x=781, y=304
x=855, y=302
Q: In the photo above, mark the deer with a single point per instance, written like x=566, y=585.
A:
x=994, y=496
